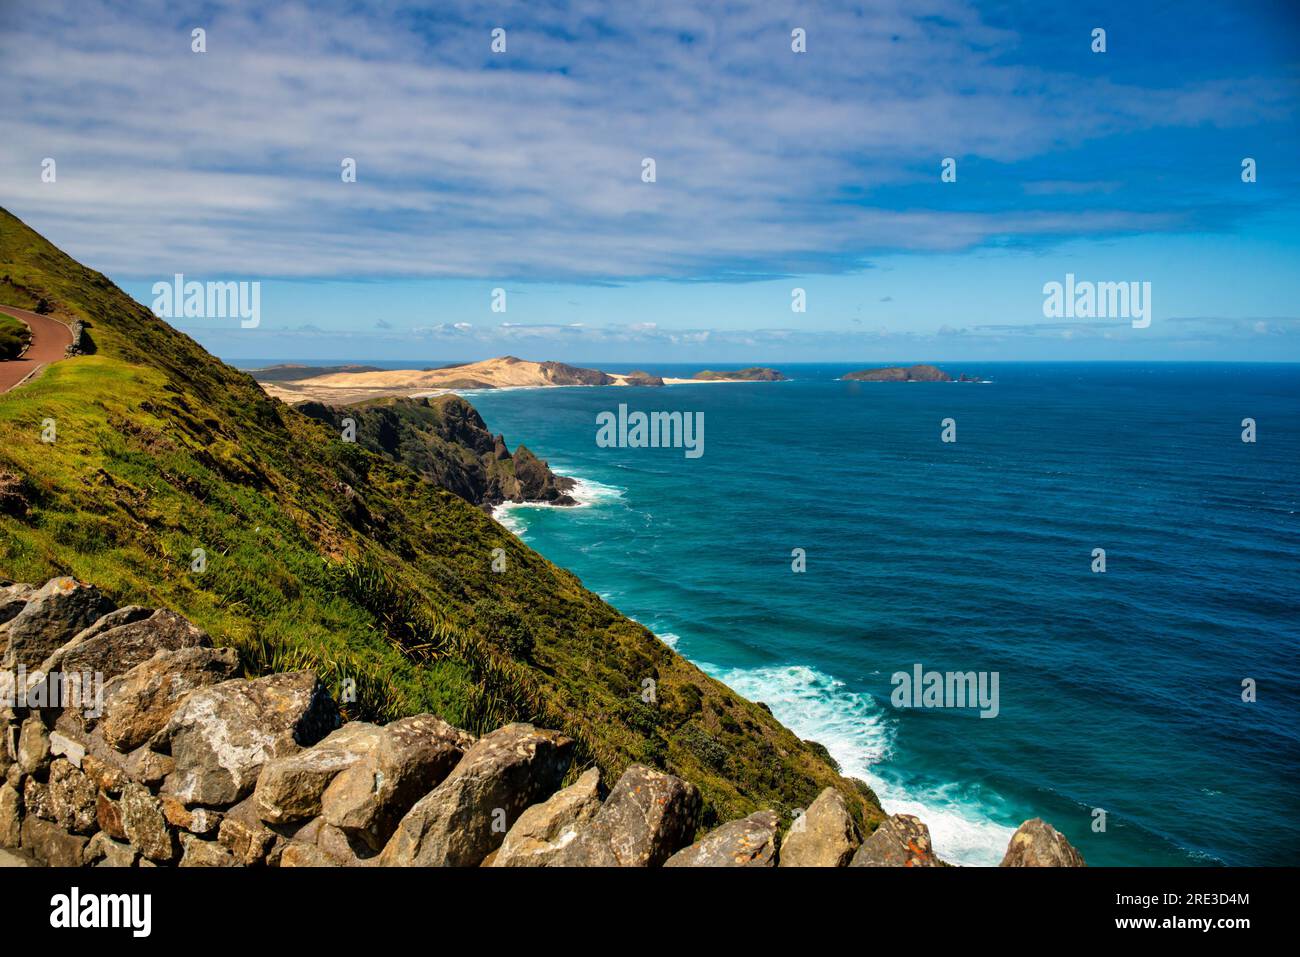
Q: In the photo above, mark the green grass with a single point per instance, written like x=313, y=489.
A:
x=322, y=555
x=14, y=336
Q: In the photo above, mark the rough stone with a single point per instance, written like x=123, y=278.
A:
x=823, y=836
x=414, y=755
x=108, y=815
x=139, y=704
x=457, y=823
x=51, y=616
x=34, y=746
x=748, y=842
x=648, y=816
x=102, y=851
x=305, y=855
x=145, y=825
x=72, y=798
x=222, y=736
x=1037, y=844
x=11, y=814
x=49, y=843
x=545, y=829
x=246, y=837
x=290, y=788
x=900, y=841
x=36, y=799
x=201, y=853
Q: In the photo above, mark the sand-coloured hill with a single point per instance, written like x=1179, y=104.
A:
x=506, y=372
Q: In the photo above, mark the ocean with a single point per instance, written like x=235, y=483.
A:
x=1120, y=716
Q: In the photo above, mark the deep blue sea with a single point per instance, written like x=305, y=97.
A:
x=1119, y=691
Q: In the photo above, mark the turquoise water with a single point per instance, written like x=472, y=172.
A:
x=1118, y=691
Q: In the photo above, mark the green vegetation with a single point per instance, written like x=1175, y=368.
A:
x=323, y=555
x=14, y=336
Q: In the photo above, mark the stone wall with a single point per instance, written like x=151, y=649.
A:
x=179, y=759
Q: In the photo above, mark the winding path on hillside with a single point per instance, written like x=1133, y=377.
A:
x=50, y=341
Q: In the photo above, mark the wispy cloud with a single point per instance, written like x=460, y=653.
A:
x=527, y=165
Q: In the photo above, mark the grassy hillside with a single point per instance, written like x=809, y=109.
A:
x=320, y=554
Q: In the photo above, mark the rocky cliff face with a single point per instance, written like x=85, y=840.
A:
x=917, y=373
x=180, y=760
x=445, y=440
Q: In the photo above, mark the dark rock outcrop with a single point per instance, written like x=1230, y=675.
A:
x=643, y=379
x=445, y=440
x=48, y=619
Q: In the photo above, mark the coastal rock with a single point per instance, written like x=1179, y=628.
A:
x=72, y=798
x=290, y=788
x=222, y=736
x=545, y=829
x=1037, y=844
x=748, y=842
x=413, y=756
x=145, y=825
x=459, y=822
x=901, y=840
x=647, y=817
x=823, y=836
x=444, y=439
x=141, y=702
x=51, y=616
x=49, y=843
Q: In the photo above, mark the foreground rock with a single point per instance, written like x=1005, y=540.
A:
x=49, y=618
x=546, y=829
x=461, y=820
x=900, y=841
x=823, y=836
x=290, y=788
x=1037, y=844
x=413, y=756
x=648, y=816
x=749, y=842
x=220, y=737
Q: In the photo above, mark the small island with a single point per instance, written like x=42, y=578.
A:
x=640, y=377
x=752, y=374
x=916, y=373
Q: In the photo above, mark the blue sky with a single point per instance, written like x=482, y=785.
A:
x=775, y=170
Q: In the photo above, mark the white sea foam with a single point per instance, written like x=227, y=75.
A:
x=586, y=492
x=859, y=736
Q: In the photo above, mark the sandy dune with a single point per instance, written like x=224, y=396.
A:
x=507, y=372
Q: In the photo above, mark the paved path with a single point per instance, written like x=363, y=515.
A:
x=50, y=340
